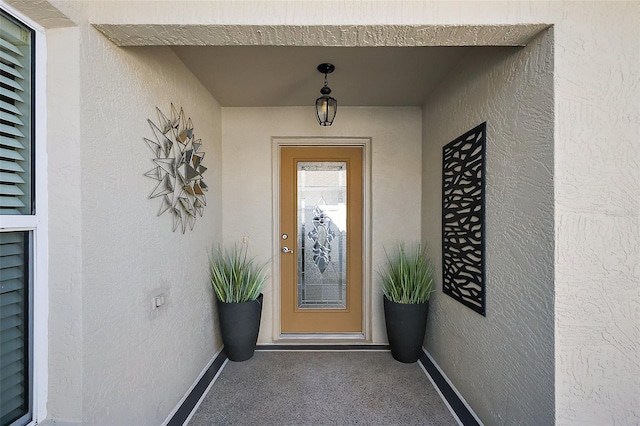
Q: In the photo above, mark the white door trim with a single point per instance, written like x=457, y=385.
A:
x=365, y=142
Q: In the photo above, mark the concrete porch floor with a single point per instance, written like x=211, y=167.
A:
x=322, y=388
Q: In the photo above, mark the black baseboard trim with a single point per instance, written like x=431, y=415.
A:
x=448, y=393
x=187, y=406
x=321, y=347
x=182, y=414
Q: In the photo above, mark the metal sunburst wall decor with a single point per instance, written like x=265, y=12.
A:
x=178, y=169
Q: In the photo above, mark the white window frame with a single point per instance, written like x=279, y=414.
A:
x=38, y=225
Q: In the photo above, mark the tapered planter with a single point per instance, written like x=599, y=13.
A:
x=406, y=325
x=239, y=324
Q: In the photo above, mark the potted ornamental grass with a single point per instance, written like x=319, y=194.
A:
x=407, y=284
x=237, y=281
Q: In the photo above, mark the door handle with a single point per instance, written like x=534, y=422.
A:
x=285, y=249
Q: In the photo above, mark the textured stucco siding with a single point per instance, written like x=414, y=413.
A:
x=110, y=353
x=502, y=363
x=139, y=362
x=65, y=237
x=320, y=35
x=596, y=174
x=395, y=186
x=597, y=187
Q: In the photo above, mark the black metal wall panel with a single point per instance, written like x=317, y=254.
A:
x=463, y=206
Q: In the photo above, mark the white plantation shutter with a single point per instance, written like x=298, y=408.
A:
x=14, y=374
x=16, y=198
x=15, y=119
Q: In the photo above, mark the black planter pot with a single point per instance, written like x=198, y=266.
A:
x=406, y=325
x=239, y=324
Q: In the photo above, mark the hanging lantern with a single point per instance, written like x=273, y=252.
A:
x=326, y=106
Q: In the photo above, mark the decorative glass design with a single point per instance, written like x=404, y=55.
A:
x=322, y=235
x=463, y=183
x=178, y=169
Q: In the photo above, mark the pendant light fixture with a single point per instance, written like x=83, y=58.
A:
x=326, y=106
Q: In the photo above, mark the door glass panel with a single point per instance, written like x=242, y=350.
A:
x=322, y=234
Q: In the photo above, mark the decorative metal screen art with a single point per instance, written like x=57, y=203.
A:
x=463, y=184
x=178, y=170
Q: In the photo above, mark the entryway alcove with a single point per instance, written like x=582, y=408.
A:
x=409, y=90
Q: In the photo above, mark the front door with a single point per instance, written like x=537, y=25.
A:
x=321, y=210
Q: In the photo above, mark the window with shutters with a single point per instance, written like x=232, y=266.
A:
x=17, y=198
x=16, y=187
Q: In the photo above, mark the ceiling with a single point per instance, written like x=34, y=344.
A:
x=259, y=76
x=276, y=65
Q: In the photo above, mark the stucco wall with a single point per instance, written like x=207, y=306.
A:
x=129, y=254
x=248, y=186
x=596, y=178
x=597, y=214
x=65, y=239
x=503, y=363
x=110, y=353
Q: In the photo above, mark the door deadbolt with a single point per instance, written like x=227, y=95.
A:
x=285, y=236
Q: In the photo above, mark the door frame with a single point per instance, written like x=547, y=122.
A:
x=365, y=143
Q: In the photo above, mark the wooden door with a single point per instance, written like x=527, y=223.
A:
x=321, y=210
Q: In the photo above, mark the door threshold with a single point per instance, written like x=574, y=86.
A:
x=331, y=338
x=322, y=347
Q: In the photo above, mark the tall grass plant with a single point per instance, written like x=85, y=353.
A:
x=235, y=278
x=407, y=277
